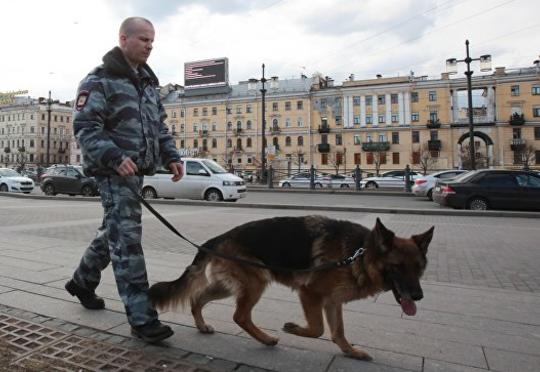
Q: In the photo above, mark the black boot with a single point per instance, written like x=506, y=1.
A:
x=152, y=332
x=88, y=299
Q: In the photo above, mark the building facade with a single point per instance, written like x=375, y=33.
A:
x=23, y=132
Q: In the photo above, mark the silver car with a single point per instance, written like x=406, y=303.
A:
x=301, y=180
x=338, y=181
x=424, y=185
x=393, y=179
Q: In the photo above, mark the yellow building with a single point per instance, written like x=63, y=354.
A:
x=23, y=132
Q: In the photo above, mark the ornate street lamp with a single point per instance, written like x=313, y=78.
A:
x=451, y=68
x=49, y=103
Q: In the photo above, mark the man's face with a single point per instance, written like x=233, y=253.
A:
x=138, y=45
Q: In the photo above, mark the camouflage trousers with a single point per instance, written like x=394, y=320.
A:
x=118, y=240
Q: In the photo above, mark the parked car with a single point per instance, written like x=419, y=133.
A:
x=11, y=181
x=202, y=179
x=423, y=185
x=246, y=175
x=388, y=179
x=300, y=180
x=30, y=174
x=491, y=189
x=68, y=179
x=338, y=181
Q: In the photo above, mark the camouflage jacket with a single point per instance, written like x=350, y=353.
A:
x=118, y=114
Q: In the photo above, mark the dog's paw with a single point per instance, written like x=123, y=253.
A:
x=359, y=354
x=271, y=341
x=290, y=327
x=206, y=329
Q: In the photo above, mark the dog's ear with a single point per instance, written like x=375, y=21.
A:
x=423, y=240
x=383, y=237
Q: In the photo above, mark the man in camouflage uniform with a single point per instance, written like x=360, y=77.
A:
x=118, y=122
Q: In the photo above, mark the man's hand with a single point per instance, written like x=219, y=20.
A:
x=177, y=169
x=127, y=168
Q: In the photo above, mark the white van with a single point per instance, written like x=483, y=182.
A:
x=203, y=179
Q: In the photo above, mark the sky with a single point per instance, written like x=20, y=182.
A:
x=53, y=44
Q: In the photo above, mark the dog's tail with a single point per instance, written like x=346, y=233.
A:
x=165, y=295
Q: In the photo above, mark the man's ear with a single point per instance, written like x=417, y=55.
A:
x=382, y=237
x=423, y=240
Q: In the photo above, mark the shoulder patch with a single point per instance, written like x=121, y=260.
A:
x=81, y=100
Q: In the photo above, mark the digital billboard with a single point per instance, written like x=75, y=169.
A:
x=207, y=73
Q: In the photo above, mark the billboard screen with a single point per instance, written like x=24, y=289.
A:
x=207, y=73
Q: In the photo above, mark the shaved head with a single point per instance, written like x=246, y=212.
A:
x=131, y=24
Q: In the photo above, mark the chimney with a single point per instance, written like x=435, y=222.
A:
x=379, y=76
x=445, y=76
x=500, y=71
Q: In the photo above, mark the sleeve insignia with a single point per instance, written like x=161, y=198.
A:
x=81, y=100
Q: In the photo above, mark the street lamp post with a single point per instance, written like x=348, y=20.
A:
x=49, y=103
x=263, y=81
x=451, y=68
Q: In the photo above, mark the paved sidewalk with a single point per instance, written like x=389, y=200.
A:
x=481, y=310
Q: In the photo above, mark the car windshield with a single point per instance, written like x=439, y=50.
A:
x=9, y=173
x=213, y=166
x=464, y=177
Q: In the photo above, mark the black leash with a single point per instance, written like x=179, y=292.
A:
x=326, y=266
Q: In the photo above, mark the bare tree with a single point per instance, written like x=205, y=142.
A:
x=21, y=158
x=528, y=155
x=336, y=160
x=465, y=156
x=425, y=160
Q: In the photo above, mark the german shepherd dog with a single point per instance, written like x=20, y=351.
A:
x=388, y=263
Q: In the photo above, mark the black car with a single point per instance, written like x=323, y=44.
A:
x=491, y=189
x=68, y=179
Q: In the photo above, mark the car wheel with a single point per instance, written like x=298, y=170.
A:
x=149, y=193
x=231, y=200
x=213, y=195
x=318, y=185
x=372, y=185
x=87, y=191
x=344, y=186
x=478, y=204
x=430, y=194
x=286, y=185
x=49, y=190
x=4, y=188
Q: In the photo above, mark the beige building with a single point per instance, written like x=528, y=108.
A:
x=23, y=132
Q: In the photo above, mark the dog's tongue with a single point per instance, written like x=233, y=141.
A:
x=408, y=306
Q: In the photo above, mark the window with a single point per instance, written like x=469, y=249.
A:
x=415, y=116
x=205, y=111
x=324, y=159
x=339, y=158
x=433, y=116
x=214, y=143
x=195, y=112
x=195, y=143
x=434, y=135
x=287, y=141
x=382, y=157
x=339, y=139
x=498, y=179
x=357, y=158
x=369, y=119
x=536, y=112
x=248, y=124
x=214, y=127
x=195, y=128
x=416, y=157
x=356, y=100
x=356, y=119
x=229, y=143
x=432, y=95
x=395, y=138
x=288, y=123
x=275, y=106
x=537, y=157
x=537, y=133
x=356, y=139
x=415, y=137
x=300, y=141
x=382, y=138
x=527, y=180
x=324, y=138
x=535, y=90
x=338, y=120
x=414, y=96
x=288, y=106
x=369, y=158
x=516, y=133
x=514, y=90
x=381, y=99
x=323, y=104
x=182, y=114
x=300, y=122
x=238, y=110
x=214, y=110
x=394, y=98
x=381, y=119
x=395, y=118
x=369, y=100
x=193, y=168
x=248, y=142
x=248, y=109
x=299, y=105
x=395, y=158
x=229, y=125
x=42, y=116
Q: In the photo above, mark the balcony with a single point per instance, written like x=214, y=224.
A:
x=237, y=131
x=433, y=124
x=324, y=129
x=203, y=133
x=323, y=147
x=517, y=144
x=22, y=149
x=275, y=130
x=376, y=146
x=7, y=150
x=434, y=145
x=61, y=150
x=516, y=119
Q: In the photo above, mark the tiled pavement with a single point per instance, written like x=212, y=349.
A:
x=480, y=312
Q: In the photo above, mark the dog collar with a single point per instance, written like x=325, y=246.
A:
x=349, y=260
